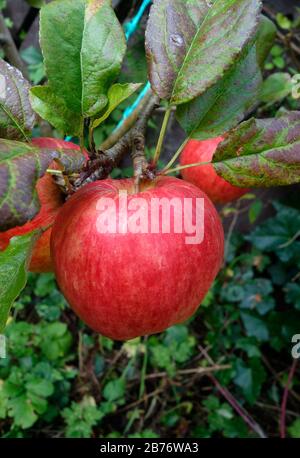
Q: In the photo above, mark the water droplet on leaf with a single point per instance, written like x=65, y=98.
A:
x=176, y=39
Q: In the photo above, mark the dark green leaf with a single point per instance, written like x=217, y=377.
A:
x=261, y=152
x=294, y=429
x=255, y=327
x=21, y=165
x=255, y=210
x=293, y=295
x=13, y=273
x=83, y=46
x=250, y=378
x=279, y=234
x=114, y=390
x=265, y=38
x=16, y=115
x=50, y=107
x=219, y=109
x=276, y=87
x=191, y=44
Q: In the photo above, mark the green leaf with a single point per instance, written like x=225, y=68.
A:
x=22, y=411
x=276, y=88
x=116, y=95
x=13, y=273
x=17, y=118
x=261, y=152
x=283, y=21
x=293, y=295
x=56, y=341
x=250, y=378
x=40, y=387
x=190, y=45
x=54, y=110
x=255, y=327
x=21, y=165
x=265, y=38
x=81, y=417
x=219, y=109
x=279, y=234
x=83, y=46
x=294, y=429
x=255, y=210
x=114, y=390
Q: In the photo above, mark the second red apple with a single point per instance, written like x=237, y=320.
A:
x=205, y=176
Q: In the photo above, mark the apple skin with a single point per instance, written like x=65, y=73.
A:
x=129, y=285
x=205, y=176
x=51, y=200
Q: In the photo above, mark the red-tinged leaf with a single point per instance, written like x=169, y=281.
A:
x=190, y=45
x=261, y=152
x=17, y=117
x=21, y=165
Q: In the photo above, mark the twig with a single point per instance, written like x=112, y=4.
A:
x=143, y=399
x=80, y=353
x=234, y=403
x=277, y=377
x=103, y=162
x=193, y=371
x=140, y=164
x=10, y=48
x=276, y=409
x=285, y=400
x=166, y=171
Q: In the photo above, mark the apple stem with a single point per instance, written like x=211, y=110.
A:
x=182, y=167
x=162, y=135
x=176, y=155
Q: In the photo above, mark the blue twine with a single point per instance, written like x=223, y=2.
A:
x=129, y=110
x=130, y=27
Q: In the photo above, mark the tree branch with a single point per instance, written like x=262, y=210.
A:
x=141, y=167
x=103, y=162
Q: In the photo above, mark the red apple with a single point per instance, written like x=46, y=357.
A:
x=51, y=199
x=205, y=176
x=125, y=284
